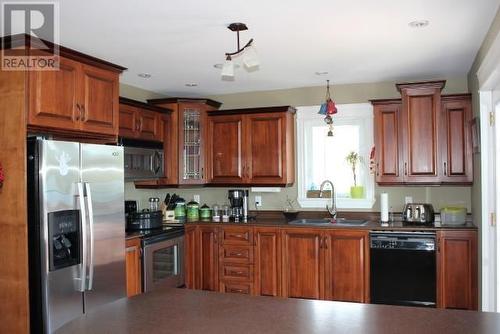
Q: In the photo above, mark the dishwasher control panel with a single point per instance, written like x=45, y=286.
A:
x=409, y=241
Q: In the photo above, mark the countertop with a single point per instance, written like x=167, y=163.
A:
x=189, y=311
x=371, y=225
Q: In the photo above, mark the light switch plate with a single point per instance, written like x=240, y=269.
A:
x=408, y=199
x=258, y=201
x=196, y=198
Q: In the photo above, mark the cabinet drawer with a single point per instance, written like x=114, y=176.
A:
x=231, y=287
x=237, y=272
x=237, y=236
x=237, y=254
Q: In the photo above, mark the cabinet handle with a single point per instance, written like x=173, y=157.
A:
x=82, y=112
x=236, y=254
x=320, y=243
x=202, y=172
x=236, y=290
x=78, y=112
x=325, y=243
x=445, y=169
x=377, y=170
x=406, y=168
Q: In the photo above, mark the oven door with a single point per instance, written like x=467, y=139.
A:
x=163, y=263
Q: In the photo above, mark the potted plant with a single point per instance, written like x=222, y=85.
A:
x=353, y=159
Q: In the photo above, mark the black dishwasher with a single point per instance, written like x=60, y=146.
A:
x=403, y=268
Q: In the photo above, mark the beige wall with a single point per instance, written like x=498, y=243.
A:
x=352, y=93
x=137, y=93
x=474, y=89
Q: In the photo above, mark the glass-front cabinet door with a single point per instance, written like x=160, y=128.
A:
x=192, y=134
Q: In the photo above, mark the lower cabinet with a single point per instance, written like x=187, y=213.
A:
x=312, y=263
x=133, y=266
x=457, y=270
x=303, y=270
x=267, y=261
x=347, y=266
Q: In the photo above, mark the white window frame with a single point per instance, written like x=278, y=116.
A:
x=346, y=114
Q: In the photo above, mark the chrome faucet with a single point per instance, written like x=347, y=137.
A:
x=333, y=209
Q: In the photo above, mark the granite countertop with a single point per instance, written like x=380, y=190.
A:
x=371, y=225
x=189, y=311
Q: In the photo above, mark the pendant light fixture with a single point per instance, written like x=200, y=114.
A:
x=328, y=109
x=247, y=54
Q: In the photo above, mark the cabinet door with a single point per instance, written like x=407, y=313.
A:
x=457, y=270
x=128, y=121
x=150, y=126
x=267, y=261
x=388, y=145
x=208, y=254
x=192, y=118
x=421, y=119
x=265, y=147
x=100, y=101
x=456, y=140
x=225, y=156
x=303, y=275
x=190, y=256
x=133, y=267
x=347, y=266
x=53, y=97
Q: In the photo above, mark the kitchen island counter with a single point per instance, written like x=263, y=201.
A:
x=188, y=311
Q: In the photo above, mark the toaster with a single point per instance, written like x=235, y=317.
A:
x=418, y=213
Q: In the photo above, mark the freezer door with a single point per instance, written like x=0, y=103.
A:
x=59, y=177
x=103, y=179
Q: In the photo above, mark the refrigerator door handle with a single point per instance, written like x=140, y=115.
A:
x=91, y=230
x=83, y=229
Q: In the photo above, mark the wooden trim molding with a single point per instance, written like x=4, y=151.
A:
x=168, y=100
x=142, y=105
x=263, y=110
x=423, y=84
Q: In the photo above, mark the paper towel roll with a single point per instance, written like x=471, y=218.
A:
x=384, y=207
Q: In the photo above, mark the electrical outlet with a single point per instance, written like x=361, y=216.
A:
x=196, y=198
x=408, y=199
x=258, y=201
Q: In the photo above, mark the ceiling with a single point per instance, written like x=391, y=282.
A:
x=178, y=42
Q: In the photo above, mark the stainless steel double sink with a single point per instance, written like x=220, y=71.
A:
x=328, y=221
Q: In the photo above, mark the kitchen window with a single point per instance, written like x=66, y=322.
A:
x=321, y=157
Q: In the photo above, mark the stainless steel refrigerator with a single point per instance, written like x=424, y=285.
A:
x=76, y=230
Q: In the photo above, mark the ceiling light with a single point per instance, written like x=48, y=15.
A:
x=419, y=24
x=191, y=84
x=220, y=66
x=227, y=72
x=249, y=55
x=144, y=75
x=321, y=73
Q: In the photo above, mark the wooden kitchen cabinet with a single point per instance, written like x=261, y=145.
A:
x=457, y=270
x=186, y=137
x=302, y=261
x=208, y=258
x=190, y=256
x=424, y=138
x=456, y=143
x=78, y=98
x=133, y=265
x=267, y=261
x=225, y=149
x=347, y=266
x=252, y=146
x=388, y=141
x=141, y=121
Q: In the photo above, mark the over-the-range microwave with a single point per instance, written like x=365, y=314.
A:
x=143, y=163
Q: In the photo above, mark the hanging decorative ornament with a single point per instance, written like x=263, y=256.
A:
x=328, y=109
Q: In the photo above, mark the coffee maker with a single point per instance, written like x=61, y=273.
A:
x=238, y=200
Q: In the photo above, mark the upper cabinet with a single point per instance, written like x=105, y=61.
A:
x=424, y=138
x=141, y=121
x=251, y=146
x=186, y=138
x=78, y=100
